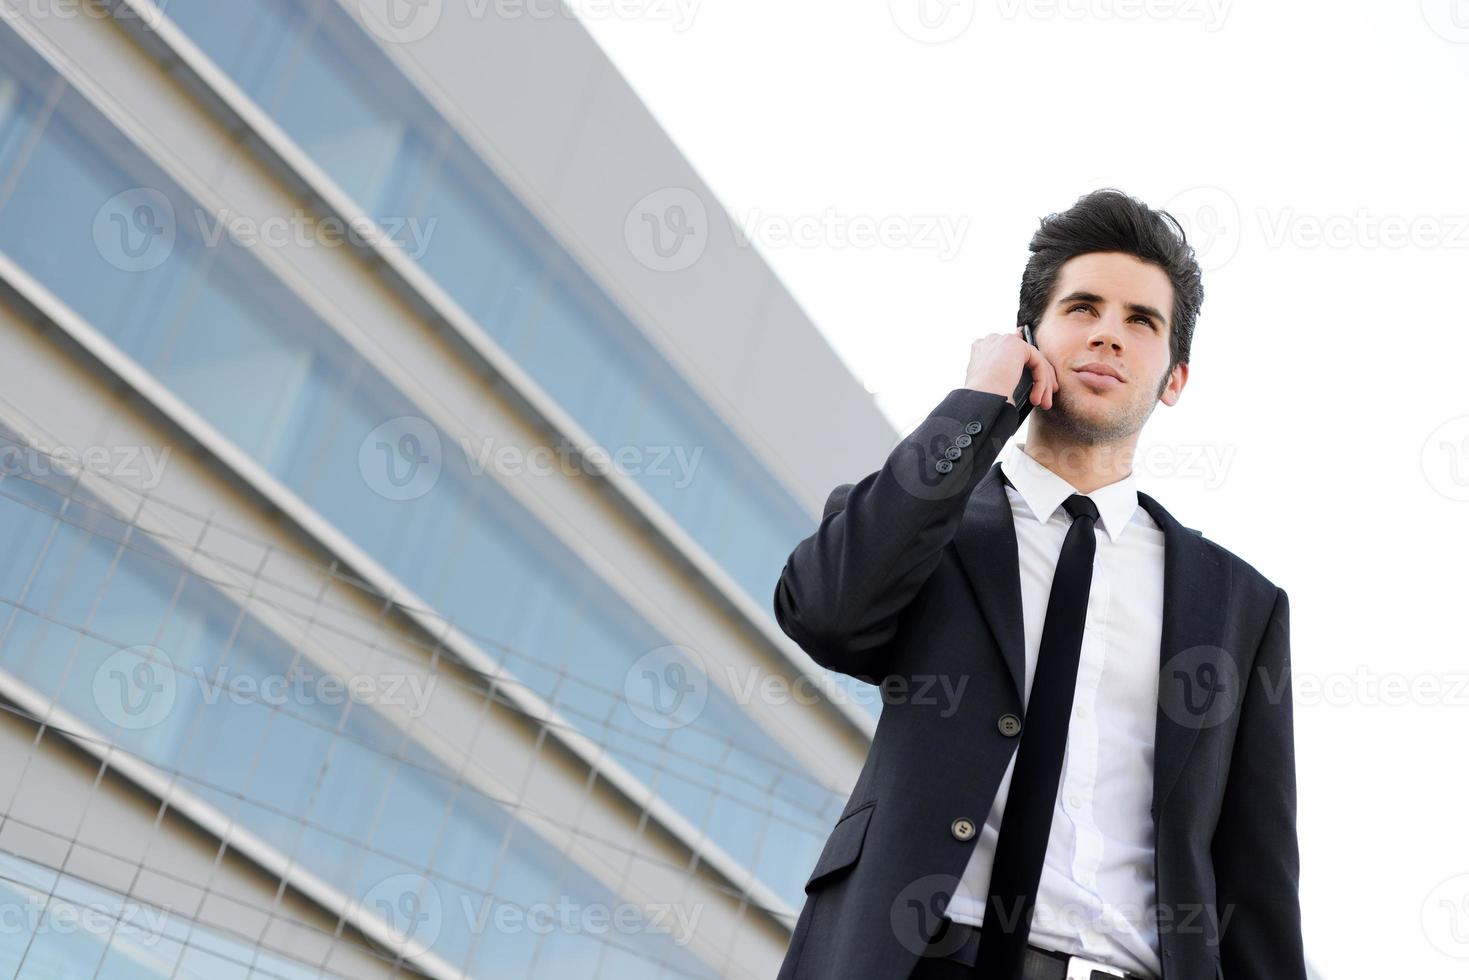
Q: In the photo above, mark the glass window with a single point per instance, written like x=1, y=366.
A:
x=341, y=100
x=335, y=788
x=464, y=544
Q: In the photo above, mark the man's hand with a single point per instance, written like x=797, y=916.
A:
x=998, y=360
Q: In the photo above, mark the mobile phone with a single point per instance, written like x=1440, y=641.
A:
x=1021, y=395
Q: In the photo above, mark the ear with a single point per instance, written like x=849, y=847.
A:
x=1177, y=378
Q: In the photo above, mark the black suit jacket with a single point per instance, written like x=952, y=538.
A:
x=911, y=581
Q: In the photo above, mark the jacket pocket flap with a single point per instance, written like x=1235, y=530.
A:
x=844, y=844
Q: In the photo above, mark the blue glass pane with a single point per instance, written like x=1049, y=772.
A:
x=463, y=544
x=343, y=103
x=64, y=927
x=335, y=789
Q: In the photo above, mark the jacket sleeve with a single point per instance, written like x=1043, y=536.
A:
x=843, y=588
x=1256, y=858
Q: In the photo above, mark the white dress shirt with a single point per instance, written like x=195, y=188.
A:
x=1097, y=889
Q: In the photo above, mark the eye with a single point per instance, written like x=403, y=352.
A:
x=1147, y=321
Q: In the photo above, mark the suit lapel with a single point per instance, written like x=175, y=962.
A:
x=1195, y=594
x=1196, y=583
x=987, y=550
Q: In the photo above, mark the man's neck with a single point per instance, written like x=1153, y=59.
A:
x=1085, y=467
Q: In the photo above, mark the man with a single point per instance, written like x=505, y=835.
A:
x=1110, y=788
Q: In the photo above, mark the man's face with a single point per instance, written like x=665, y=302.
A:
x=1112, y=309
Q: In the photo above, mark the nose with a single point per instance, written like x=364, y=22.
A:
x=1105, y=336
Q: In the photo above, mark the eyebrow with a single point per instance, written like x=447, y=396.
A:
x=1084, y=297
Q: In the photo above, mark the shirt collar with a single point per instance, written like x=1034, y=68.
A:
x=1044, y=492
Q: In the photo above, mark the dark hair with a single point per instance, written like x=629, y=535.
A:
x=1108, y=220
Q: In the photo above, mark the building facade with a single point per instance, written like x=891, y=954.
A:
x=400, y=448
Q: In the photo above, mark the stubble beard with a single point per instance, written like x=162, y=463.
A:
x=1096, y=428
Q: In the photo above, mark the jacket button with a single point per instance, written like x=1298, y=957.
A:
x=953, y=452
x=973, y=428
x=944, y=465
x=1009, y=725
x=963, y=441
x=962, y=829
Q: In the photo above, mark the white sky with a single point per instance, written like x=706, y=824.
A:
x=1324, y=431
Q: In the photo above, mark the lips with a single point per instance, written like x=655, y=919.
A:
x=1098, y=379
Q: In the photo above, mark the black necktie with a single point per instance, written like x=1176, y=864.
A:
x=1026, y=825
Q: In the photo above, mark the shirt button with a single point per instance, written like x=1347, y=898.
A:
x=1081, y=711
x=1074, y=800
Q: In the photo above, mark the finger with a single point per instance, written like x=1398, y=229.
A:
x=1038, y=369
x=1043, y=364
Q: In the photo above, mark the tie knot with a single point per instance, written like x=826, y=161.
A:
x=1078, y=505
